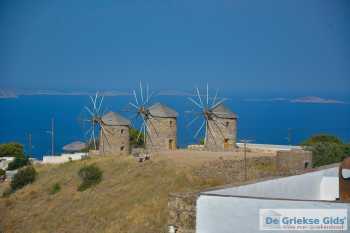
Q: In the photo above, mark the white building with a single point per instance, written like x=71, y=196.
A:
x=236, y=209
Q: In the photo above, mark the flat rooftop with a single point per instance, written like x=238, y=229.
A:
x=321, y=185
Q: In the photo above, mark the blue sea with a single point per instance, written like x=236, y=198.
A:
x=262, y=121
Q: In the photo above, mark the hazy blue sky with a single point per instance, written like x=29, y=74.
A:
x=295, y=46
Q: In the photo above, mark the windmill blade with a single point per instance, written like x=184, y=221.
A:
x=137, y=102
x=99, y=107
x=152, y=125
x=88, y=132
x=105, y=136
x=199, y=96
x=207, y=95
x=218, y=103
x=193, y=101
x=93, y=135
x=102, y=125
x=213, y=136
x=200, y=128
x=140, y=131
x=192, y=121
x=216, y=95
x=218, y=127
x=89, y=111
x=141, y=92
x=147, y=93
x=134, y=105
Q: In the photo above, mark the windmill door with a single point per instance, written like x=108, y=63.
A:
x=171, y=144
x=226, y=144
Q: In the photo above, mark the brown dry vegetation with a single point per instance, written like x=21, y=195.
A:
x=132, y=196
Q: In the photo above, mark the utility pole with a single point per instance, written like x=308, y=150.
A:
x=52, y=133
x=245, y=141
x=289, y=136
x=52, y=136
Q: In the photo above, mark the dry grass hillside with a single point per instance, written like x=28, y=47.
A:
x=132, y=196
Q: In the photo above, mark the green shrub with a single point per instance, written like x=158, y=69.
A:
x=322, y=138
x=11, y=149
x=90, y=176
x=23, y=177
x=2, y=172
x=134, y=135
x=18, y=162
x=327, y=153
x=55, y=188
x=327, y=149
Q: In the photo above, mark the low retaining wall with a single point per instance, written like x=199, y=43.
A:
x=182, y=206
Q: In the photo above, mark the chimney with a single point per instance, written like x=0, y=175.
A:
x=344, y=180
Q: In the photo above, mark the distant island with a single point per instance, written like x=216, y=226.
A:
x=305, y=100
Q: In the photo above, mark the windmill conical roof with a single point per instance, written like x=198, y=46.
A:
x=161, y=110
x=112, y=118
x=223, y=112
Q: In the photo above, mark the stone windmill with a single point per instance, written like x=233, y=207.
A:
x=115, y=139
x=219, y=123
x=112, y=128
x=158, y=122
x=163, y=128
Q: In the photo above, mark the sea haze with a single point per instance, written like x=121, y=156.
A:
x=262, y=121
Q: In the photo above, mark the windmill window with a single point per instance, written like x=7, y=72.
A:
x=122, y=131
x=227, y=123
x=171, y=123
x=122, y=148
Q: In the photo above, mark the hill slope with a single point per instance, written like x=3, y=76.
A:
x=132, y=197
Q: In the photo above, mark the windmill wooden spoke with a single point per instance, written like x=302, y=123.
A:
x=141, y=130
x=217, y=126
x=218, y=103
x=216, y=95
x=99, y=107
x=199, y=96
x=193, y=101
x=104, y=129
x=152, y=125
x=200, y=128
x=133, y=105
x=141, y=93
x=136, y=100
x=89, y=111
x=207, y=95
x=192, y=121
x=213, y=136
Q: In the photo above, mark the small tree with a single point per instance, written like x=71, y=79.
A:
x=322, y=138
x=18, y=162
x=90, y=175
x=2, y=172
x=23, y=177
x=11, y=149
x=135, y=139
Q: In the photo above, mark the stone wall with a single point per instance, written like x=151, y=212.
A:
x=182, y=209
x=162, y=130
x=115, y=140
x=182, y=212
x=218, y=130
x=293, y=161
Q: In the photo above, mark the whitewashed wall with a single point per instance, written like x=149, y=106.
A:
x=217, y=214
x=308, y=186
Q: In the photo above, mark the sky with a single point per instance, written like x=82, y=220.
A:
x=271, y=46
